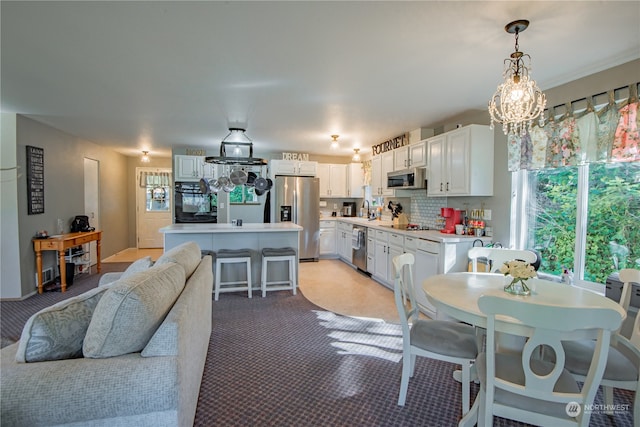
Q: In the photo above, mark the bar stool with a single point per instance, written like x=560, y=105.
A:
x=279, y=254
x=232, y=256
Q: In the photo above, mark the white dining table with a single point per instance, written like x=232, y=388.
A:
x=457, y=294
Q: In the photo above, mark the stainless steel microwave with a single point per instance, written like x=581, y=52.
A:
x=408, y=179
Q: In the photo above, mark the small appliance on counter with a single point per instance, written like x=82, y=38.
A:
x=349, y=209
x=452, y=217
x=400, y=220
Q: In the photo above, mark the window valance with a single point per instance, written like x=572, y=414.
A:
x=606, y=133
x=155, y=179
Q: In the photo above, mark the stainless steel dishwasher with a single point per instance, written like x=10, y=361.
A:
x=359, y=247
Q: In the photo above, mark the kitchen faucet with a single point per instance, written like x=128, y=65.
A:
x=368, y=208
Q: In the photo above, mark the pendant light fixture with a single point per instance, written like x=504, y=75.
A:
x=145, y=157
x=334, y=143
x=356, y=155
x=518, y=101
x=237, y=138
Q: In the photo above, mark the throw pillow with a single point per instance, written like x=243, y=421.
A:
x=143, y=264
x=186, y=254
x=131, y=310
x=57, y=332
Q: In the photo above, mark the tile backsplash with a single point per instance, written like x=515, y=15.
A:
x=425, y=210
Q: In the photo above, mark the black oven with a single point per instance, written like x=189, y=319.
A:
x=193, y=206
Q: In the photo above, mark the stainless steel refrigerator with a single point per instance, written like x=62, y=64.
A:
x=298, y=200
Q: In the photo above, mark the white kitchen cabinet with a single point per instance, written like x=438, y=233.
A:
x=461, y=162
x=355, y=180
x=410, y=156
x=192, y=168
x=395, y=248
x=328, y=246
x=333, y=180
x=293, y=167
x=344, y=241
x=371, y=251
x=380, y=166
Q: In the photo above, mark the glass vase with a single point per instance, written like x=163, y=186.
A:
x=516, y=286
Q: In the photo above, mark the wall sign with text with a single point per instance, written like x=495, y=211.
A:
x=35, y=180
x=392, y=144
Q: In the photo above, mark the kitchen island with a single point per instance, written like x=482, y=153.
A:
x=253, y=236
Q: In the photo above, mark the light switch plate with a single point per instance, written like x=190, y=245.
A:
x=323, y=204
x=487, y=215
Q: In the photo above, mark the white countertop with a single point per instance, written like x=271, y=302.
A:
x=228, y=228
x=434, y=235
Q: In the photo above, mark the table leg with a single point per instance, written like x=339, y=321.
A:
x=98, y=255
x=63, y=271
x=39, y=270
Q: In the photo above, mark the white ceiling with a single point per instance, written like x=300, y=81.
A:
x=155, y=75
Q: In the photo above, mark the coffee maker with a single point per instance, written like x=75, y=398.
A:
x=349, y=209
x=452, y=217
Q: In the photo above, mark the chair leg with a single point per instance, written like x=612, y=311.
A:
x=607, y=391
x=292, y=275
x=482, y=409
x=249, y=279
x=217, y=281
x=404, y=381
x=466, y=386
x=413, y=365
x=470, y=419
x=263, y=281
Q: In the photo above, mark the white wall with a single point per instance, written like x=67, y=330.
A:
x=9, y=255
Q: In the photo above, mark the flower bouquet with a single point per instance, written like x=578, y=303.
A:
x=517, y=273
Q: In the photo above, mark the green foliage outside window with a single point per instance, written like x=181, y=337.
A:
x=612, y=232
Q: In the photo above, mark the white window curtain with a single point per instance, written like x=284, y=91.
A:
x=156, y=179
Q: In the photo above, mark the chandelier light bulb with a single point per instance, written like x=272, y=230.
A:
x=356, y=155
x=518, y=101
x=334, y=143
x=145, y=157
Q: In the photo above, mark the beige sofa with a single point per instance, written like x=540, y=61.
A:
x=157, y=386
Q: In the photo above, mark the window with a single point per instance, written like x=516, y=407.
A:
x=585, y=218
x=158, y=191
x=243, y=194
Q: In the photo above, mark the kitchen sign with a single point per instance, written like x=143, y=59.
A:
x=392, y=144
x=303, y=157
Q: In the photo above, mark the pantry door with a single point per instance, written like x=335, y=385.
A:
x=153, y=205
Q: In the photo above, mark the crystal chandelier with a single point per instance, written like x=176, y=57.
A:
x=518, y=101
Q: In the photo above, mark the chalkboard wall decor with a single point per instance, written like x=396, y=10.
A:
x=35, y=180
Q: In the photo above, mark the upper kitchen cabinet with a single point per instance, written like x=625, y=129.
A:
x=293, y=167
x=192, y=168
x=333, y=180
x=380, y=166
x=461, y=162
x=355, y=180
x=411, y=156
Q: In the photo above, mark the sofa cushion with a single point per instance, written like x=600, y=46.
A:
x=57, y=332
x=131, y=310
x=186, y=254
x=143, y=264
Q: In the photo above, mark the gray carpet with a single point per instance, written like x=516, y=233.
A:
x=282, y=361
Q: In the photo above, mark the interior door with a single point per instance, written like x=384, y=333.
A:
x=153, y=206
x=91, y=199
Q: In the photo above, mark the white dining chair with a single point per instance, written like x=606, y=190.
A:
x=498, y=256
x=623, y=362
x=525, y=388
x=448, y=341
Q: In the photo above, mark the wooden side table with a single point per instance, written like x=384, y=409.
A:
x=61, y=243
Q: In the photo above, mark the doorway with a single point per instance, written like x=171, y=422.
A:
x=91, y=199
x=153, y=206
